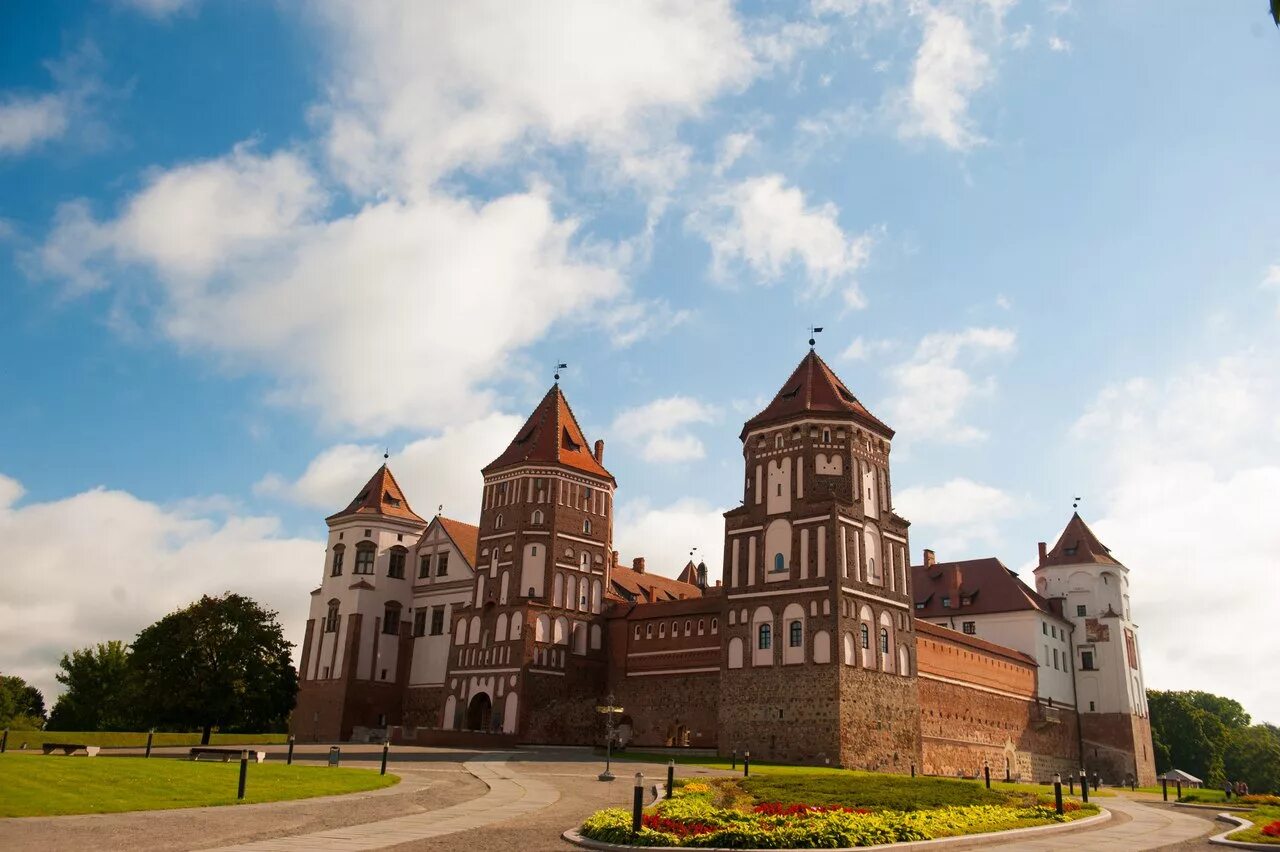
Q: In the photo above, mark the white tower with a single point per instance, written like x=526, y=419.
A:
x=1092, y=587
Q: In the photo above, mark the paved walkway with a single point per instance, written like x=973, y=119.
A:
x=1135, y=826
x=510, y=795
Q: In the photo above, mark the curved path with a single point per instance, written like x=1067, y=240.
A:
x=1135, y=826
x=510, y=795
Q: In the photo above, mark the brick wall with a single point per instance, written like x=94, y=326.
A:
x=879, y=720
x=562, y=709
x=1117, y=745
x=661, y=708
x=781, y=713
x=423, y=706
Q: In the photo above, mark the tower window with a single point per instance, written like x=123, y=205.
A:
x=826, y=436
x=796, y=639
x=391, y=619
x=365, y=551
x=586, y=526
x=1081, y=610
x=338, y=553
x=424, y=566
x=946, y=600
x=497, y=522
x=970, y=627
x=395, y=563
x=537, y=517
x=437, y=620
x=884, y=640
x=331, y=618
x=1086, y=661
x=765, y=637
x=779, y=563
x=777, y=442
x=864, y=636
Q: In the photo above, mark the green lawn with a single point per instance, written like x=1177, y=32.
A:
x=135, y=739
x=36, y=785
x=1261, y=817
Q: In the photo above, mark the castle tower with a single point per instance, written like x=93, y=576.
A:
x=819, y=646
x=545, y=541
x=1092, y=587
x=357, y=646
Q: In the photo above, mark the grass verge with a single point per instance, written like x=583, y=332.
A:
x=135, y=739
x=1261, y=818
x=35, y=785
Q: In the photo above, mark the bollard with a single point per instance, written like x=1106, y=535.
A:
x=4, y=741
x=151, y=733
x=733, y=759
x=671, y=776
x=746, y=764
x=289, y=760
x=386, y=746
x=1057, y=794
x=1071, y=784
x=1179, y=789
x=1084, y=787
x=913, y=770
x=986, y=775
x=637, y=803
x=1164, y=788
x=244, y=773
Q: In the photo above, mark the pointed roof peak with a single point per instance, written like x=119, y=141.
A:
x=1078, y=545
x=381, y=495
x=551, y=435
x=814, y=388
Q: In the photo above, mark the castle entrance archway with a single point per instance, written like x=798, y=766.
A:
x=479, y=712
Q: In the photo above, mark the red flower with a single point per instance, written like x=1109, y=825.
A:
x=671, y=826
x=1272, y=830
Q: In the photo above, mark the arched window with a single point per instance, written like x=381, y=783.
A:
x=662, y=630
x=365, y=551
x=766, y=635
x=715, y=625
x=777, y=442
x=864, y=636
x=585, y=561
x=331, y=618
x=797, y=634
x=884, y=640
x=497, y=522
x=391, y=618
x=826, y=436
x=339, y=552
x=586, y=526
x=537, y=517
x=688, y=628
x=637, y=632
x=779, y=563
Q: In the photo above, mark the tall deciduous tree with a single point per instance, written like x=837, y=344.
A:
x=21, y=704
x=100, y=694
x=221, y=662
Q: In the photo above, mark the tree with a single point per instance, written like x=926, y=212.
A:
x=220, y=662
x=21, y=704
x=1227, y=710
x=1253, y=756
x=1194, y=737
x=100, y=693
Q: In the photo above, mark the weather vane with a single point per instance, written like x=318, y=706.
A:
x=813, y=330
x=386, y=453
x=1075, y=502
x=440, y=509
x=559, y=367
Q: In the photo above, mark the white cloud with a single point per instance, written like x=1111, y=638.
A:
x=160, y=8
x=770, y=227
x=660, y=429
x=1272, y=279
x=1189, y=505
x=731, y=148
x=630, y=321
x=860, y=349
x=438, y=470
x=933, y=388
x=956, y=515
x=665, y=535
x=313, y=302
x=1059, y=45
x=27, y=122
x=1003, y=302
x=104, y=564
x=950, y=68
x=421, y=88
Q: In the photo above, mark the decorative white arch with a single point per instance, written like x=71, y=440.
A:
x=735, y=653
x=822, y=647
x=517, y=622
x=473, y=632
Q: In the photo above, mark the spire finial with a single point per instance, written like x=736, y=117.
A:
x=386, y=454
x=1075, y=502
x=559, y=367
x=439, y=510
x=813, y=331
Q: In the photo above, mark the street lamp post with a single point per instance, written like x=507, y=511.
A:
x=608, y=709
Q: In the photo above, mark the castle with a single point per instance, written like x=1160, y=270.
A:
x=822, y=644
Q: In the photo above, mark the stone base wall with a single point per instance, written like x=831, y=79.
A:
x=879, y=721
x=670, y=710
x=561, y=710
x=424, y=706
x=788, y=714
x=317, y=717
x=1117, y=745
x=964, y=729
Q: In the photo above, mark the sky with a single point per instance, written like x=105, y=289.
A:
x=246, y=248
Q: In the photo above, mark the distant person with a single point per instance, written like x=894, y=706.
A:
x=1227, y=790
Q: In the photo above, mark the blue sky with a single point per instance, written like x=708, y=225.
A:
x=244, y=247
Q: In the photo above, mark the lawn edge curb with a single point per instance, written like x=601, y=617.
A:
x=1240, y=824
x=573, y=836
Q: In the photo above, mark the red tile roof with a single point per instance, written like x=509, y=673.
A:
x=551, y=435
x=466, y=537
x=381, y=495
x=949, y=635
x=815, y=389
x=986, y=583
x=628, y=585
x=1078, y=545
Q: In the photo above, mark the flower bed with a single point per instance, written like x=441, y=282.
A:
x=706, y=815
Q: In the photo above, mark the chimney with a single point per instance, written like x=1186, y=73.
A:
x=929, y=558
x=615, y=558
x=637, y=564
x=599, y=453
x=952, y=583
x=1043, y=553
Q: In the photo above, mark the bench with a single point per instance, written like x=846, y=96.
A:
x=69, y=748
x=226, y=754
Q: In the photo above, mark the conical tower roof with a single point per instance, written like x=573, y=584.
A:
x=551, y=435
x=689, y=574
x=381, y=495
x=814, y=388
x=1078, y=545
